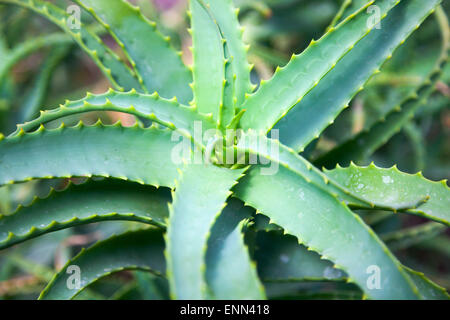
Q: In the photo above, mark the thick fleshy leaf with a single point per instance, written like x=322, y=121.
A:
x=226, y=17
x=228, y=108
x=133, y=153
x=86, y=203
x=281, y=259
x=327, y=226
x=280, y=155
x=354, y=6
x=151, y=287
x=201, y=194
x=428, y=289
x=323, y=103
x=341, y=13
x=230, y=273
x=114, y=69
x=158, y=65
x=136, y=250
x=390, y=186
x=209, y=61
x=369, y=140
x=291, y=83
x=168, y=113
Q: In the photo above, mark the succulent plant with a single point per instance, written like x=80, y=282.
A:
x=213, y=168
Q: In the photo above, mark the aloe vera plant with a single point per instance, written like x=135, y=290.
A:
x=213, y=169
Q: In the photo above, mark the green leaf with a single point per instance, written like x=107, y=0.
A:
x=168, y=113
x=417, y=143
x=136, y=250
x=281, y=155
x=228, y=107
x=327, y=226
x=152, y=287
x=159, y=66
x=281, y=259
x=132, y=153
x=5, y=200
x=390, y=186
x=37, y=94
x=120, y=76
x=361, y=146
x=345, y=6
x=367, y=141
x=201, y=194
x=43, y=273
x=354, y=6
x=408, y=237
x=427, y=288
x=230, y=273
x=322, y=104
x=29, y=47
x=82, y=204
x=226, y=17
x=291, y=83
x=209, y=62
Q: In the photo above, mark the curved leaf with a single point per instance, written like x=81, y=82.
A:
x=209, y=62
x=291, y=83
x=427, y=288
x=82, y=204
x=230, y=273
x=322, y=104
x=226, y=17
x=165, y=112
x=390, y=186
x=281, y=155
x=354, y=6
x=132, y=153
x=201, y=194
x=228, y=108
x=327, y=226
x=113, y=68
x=340, y=14
x=159, y=66
x=367, y=141
x=281, y=259
x=142, y=250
